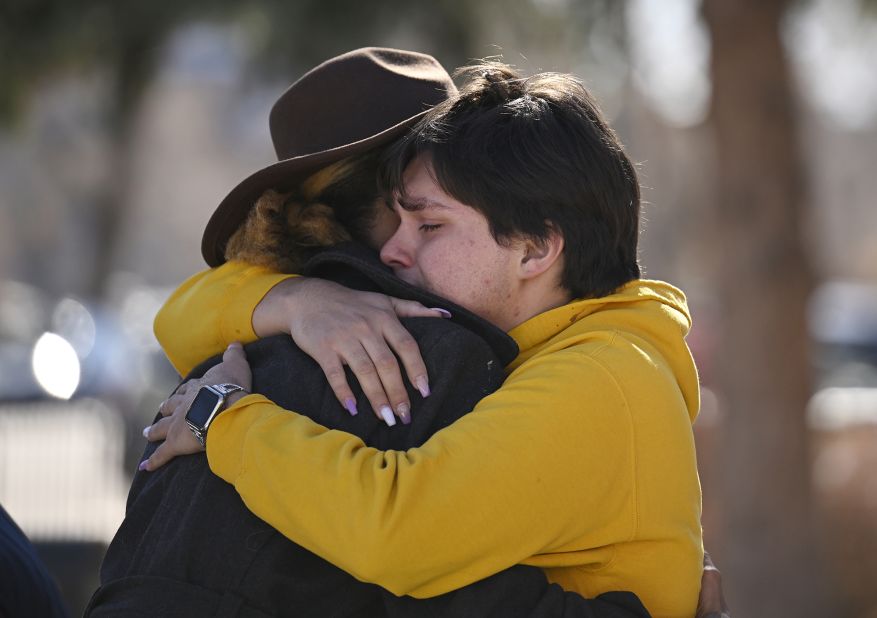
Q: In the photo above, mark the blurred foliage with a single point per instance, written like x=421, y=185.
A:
x=40, y=38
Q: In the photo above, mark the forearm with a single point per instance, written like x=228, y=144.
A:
x=494, y=474
x=210, y=310
x=350, y=517
x=271, y=315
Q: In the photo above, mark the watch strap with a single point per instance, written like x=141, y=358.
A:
x=223, y=390
x=228, y=388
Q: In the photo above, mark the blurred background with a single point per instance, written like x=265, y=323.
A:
x=754, y=122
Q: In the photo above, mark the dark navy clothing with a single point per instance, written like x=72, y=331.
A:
x=189, y=546
x=26, y=588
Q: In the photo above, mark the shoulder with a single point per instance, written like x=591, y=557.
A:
x=576, y=367
x=607, y=357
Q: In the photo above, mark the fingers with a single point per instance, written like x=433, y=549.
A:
x=334, y=370
x=384, y=387
x=708, y=564
x=409, y=353
x=161, y=456
x=234, y=353
x=365, y=368
x=158, y=430
x=189, y=387
x=234, y=368
x=178, y=440
x=392, y=336
x=169, y=405
x=711, y=602
x=339, y=327
x=413, y=309
x=355, y=355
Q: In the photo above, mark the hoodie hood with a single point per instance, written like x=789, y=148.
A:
x=651, y=315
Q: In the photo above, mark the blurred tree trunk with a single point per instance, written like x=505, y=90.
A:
x=132, y=67
x=111, y=203
x=764, y=279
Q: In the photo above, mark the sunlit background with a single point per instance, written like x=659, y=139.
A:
x=123, y=124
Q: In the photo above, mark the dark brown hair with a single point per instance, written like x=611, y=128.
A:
x=532, y=154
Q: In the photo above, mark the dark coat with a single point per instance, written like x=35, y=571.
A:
x=189, y=546
x=26, y=588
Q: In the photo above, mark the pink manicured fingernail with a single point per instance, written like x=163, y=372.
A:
x=142, y=465
x=350, y=404
x=445, y=313
x=422, y=385
x=387, y=415
x=404, y=411
x=146, y=431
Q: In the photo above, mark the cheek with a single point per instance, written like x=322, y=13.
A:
x=465, y=274
x=440, y=270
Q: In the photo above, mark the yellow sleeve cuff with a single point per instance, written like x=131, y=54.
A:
x=210, y=310
x=236, y=318
x=225, y=446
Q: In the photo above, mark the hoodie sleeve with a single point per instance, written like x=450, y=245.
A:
x=210, y=310
x=548, y=454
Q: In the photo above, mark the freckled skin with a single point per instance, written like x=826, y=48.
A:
x=459, y=259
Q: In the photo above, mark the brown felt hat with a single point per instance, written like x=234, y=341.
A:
x=345, y=106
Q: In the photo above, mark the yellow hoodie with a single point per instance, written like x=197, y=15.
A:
x=582, y=463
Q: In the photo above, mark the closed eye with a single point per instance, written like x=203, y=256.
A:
x=429, y=227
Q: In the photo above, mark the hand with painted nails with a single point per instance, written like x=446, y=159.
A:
x=337, y=326
x=173, y=429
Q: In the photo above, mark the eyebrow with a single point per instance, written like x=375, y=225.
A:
x=417, y=205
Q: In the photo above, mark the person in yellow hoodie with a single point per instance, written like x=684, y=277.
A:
x=515, y=200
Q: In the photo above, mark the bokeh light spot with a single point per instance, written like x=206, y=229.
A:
x=56, y=366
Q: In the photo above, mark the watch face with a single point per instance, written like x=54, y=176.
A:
x=203, y=407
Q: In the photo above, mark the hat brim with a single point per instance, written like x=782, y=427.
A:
x=283, y=175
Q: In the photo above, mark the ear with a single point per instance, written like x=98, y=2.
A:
x=541, y=255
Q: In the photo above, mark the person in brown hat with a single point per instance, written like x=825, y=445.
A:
x=352, y=104
x=188, y=545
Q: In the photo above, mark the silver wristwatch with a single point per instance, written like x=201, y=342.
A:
x=208, y=403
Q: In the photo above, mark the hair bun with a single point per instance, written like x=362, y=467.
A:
x=498, y=86
x=493, y=75
x=490, y=83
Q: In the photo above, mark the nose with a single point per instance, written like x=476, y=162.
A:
x=396, y=252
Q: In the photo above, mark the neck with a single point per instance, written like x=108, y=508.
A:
x=533, y=302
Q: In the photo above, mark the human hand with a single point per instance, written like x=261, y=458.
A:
x=711, y=602
x=173, y=429
x=337, y=326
